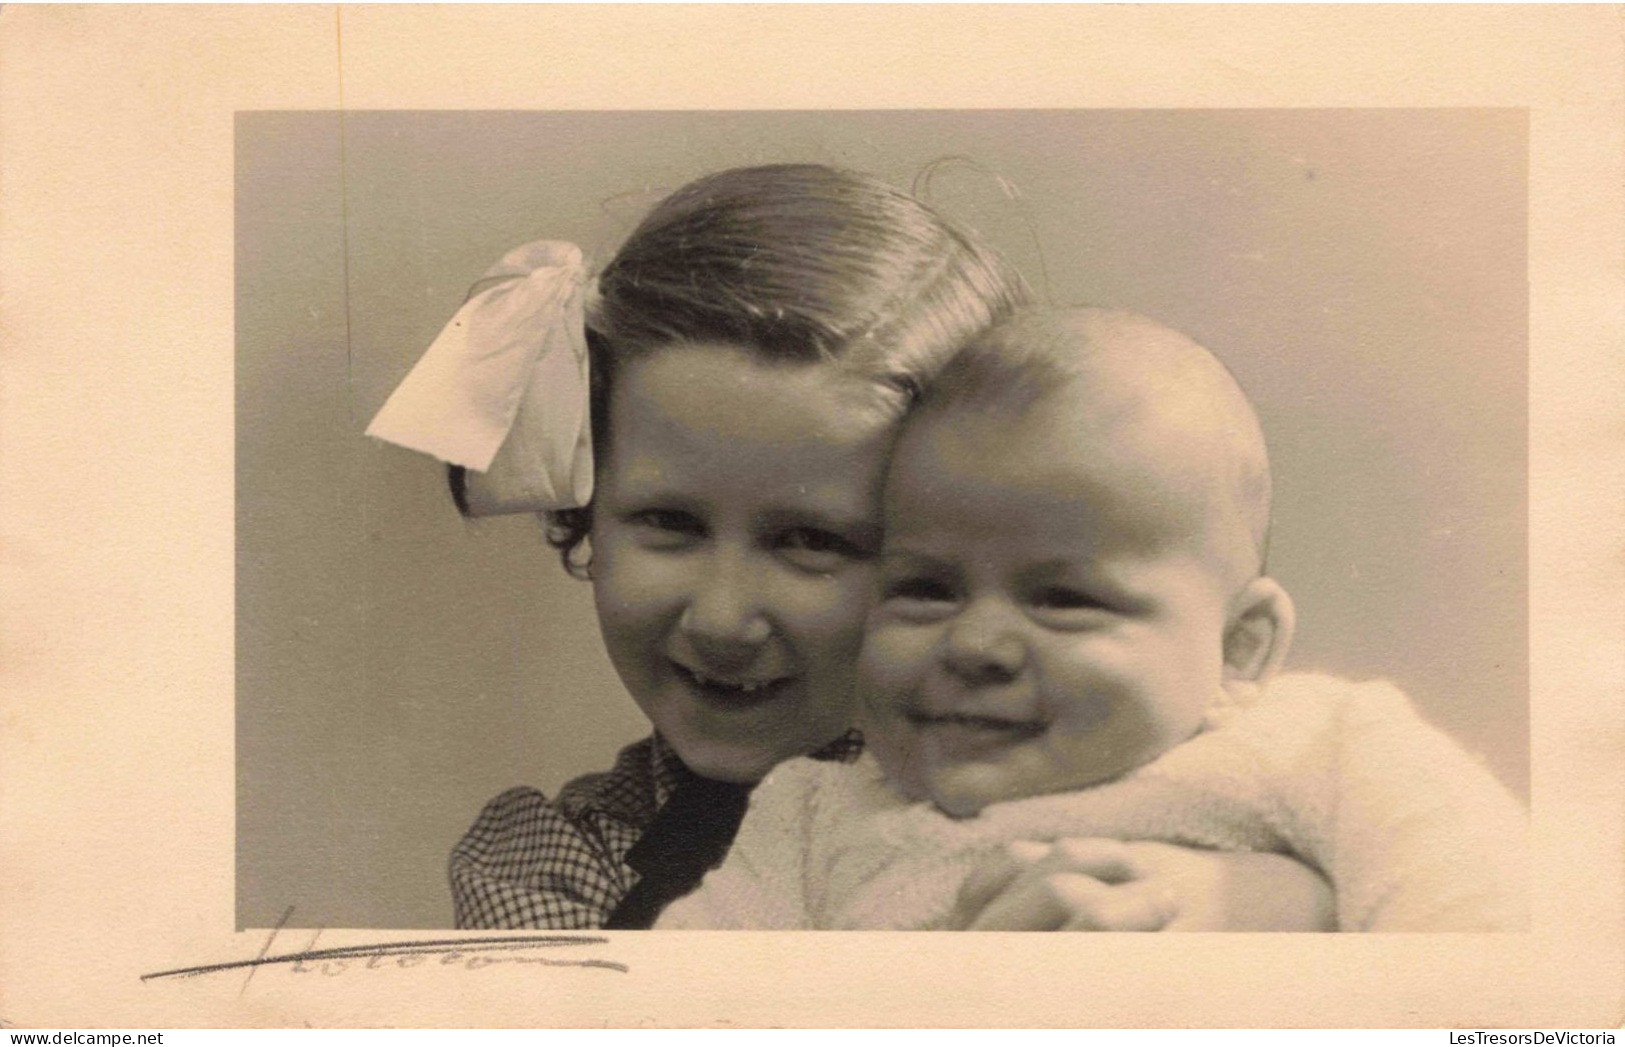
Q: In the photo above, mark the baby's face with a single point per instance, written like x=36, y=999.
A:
x=1050, y=615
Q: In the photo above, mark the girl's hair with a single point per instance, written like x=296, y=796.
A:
x=798, y=263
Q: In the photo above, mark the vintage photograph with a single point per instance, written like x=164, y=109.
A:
x=1143, y=489
x=520, y=516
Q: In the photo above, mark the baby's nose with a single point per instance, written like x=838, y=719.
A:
x=984, y=646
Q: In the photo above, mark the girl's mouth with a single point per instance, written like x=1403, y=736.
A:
x=734, y=692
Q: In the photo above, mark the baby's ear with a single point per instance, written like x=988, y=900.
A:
x=1259, y=632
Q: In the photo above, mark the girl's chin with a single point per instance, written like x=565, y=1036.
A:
x=742, y=757
x=725, y=763
x=739, y=745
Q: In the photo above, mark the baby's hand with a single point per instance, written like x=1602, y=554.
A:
x=1109, y=885
x=1072, y=885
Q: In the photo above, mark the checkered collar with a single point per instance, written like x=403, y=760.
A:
x=666, y=769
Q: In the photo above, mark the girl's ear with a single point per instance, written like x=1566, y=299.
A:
x=1259, y=632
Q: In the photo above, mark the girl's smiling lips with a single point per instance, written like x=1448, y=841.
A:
x=732, y=691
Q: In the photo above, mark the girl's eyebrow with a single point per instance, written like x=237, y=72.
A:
x=655, y=492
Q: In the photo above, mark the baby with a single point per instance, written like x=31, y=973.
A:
x=1075, y=637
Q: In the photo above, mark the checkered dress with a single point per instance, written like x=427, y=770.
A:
x=528, y=862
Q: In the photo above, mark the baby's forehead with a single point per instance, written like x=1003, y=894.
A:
x=1105, y=376
x=1130, y=401
x=1119, y=357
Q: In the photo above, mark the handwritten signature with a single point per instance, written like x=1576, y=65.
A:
x=467, y=953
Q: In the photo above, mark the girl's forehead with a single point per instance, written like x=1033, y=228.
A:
x=718, y=389
x=711, y=426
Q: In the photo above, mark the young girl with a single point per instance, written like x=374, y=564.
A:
x=752, y=349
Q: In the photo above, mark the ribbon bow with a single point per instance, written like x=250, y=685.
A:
x=503, y=390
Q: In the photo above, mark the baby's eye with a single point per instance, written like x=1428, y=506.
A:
x=918, y=590
x=818, y=550
x=917, y=599
x=1063, y=598
x=1068, y=608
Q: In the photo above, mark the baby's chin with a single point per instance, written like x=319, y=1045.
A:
x=964, y=790
x=961, y=788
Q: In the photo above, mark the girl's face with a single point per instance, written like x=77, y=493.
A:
x=735, y=527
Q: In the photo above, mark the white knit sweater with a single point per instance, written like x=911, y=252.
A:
x=1412, y=832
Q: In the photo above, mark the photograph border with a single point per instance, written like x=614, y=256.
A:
x=116, y=758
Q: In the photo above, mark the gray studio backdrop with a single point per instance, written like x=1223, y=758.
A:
x=1363, y=272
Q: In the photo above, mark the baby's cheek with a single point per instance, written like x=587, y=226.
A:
x=894, y=747
x=890, y=665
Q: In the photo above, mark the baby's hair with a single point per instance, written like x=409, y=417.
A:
x=798, y=263
x=1041, y=352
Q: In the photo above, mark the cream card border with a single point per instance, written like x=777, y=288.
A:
x=116, y=769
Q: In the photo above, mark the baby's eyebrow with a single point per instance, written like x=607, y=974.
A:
x=1061, y=565
x=1102, y=578
x=862, y=528
x=909, y=560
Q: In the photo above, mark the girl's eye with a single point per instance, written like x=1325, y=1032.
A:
x=815, y=549
x=670, y=520
x=667, y=527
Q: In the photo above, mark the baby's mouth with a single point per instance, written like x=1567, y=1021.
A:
x=972, y=722
x=733, y=692
x=971, y=736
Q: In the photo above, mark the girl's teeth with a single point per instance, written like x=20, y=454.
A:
x=749, y=686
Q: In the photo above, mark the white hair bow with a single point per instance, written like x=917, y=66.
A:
x=503, y=390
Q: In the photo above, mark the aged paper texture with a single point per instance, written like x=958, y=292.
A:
x=124, y=810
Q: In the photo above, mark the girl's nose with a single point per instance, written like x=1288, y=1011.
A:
x=984, y=645
x=724, y=620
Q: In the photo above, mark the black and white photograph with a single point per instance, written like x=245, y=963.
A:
x=519, y=515
x=401, y=663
